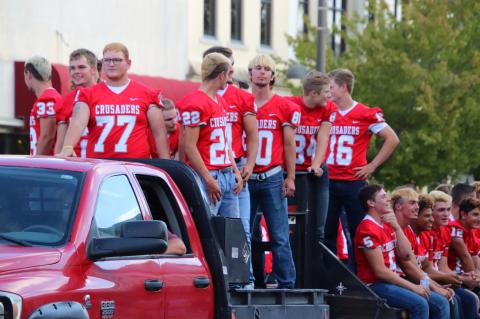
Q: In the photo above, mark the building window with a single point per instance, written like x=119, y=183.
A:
x=209, y=18
x=395, y=7
x=336, y=8
x=236, y=20
x=302, y=12
x=266, y=23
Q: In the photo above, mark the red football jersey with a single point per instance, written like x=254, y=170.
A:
x=172, y=141
x=437, y=243
x=239, y=104
x=350, y=135
x=197, y=109
x=427, y=239
x=306, y=133
x=370, y=235
x=65, y=115
x=271, y=118
x=48, y=104
x=418, y=248
x=342, y=245
x=468, y=236
x=118, y=124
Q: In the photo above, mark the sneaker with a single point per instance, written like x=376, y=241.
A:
x=271, y=282
x=250, y=286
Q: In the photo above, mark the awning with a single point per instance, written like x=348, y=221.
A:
x=172, y=89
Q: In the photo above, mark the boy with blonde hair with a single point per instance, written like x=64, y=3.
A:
x=277, y=120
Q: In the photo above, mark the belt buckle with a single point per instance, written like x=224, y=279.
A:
x=261, y=177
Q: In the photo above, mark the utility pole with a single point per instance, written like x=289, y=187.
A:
x=321, y=34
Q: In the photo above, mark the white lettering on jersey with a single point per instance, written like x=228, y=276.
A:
x=301, y=142
x=114, y=109
x=345, y=130
x=232, y=117
x=265, y=143
x=189, y=118
x=296, y=118
x=218, y=121
x=33, y=141
x=307, y=129
x=457, y=232
x=219, y=149
x=45, y=108
x=108, y=122
x=267, y=124
x=342, y=155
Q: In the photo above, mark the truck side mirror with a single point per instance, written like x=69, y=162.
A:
x=136, y=238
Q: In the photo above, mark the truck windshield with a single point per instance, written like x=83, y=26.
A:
x=37, y=205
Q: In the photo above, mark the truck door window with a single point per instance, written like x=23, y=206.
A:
x=116, y=204
x=163, y=205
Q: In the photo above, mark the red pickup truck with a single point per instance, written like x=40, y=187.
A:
x=86, y=239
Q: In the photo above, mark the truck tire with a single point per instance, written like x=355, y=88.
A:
x=60, y=310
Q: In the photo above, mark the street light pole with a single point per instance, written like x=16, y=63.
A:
x=321, y=34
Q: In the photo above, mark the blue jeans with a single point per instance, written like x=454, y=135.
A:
x=227, y=206
x=267, y=194
x=244, y=207
x=343, y=196
x=439, y=306
x=402, y=298
x=468, y=303
x=311, y=192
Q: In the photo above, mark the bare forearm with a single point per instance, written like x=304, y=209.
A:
x=322, y=144
x=46, y=139
x=388, y=276
x=176, y=247
x=61, y=131
x=404, y=249
x=193, y=155
x=443, y=265
x=232, y=160
x=439, y=276
x=74, y=132
x=411, y=270
x=289, y=153
x=159, y=132
x=251, y=132
x=78, y=122
x=45, y=143
x=476, y=262
x=460, y=249
x=161, y=141
x=252, y=149
x=389, y=145
x=181, y=145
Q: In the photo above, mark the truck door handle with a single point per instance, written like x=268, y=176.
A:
x=153, y=285
x=201, y=282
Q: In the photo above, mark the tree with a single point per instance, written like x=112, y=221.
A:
x=423, y=70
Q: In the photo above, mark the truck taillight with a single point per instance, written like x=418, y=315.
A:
x=234, y=315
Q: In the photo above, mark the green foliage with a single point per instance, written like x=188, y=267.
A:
x=424, y=71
